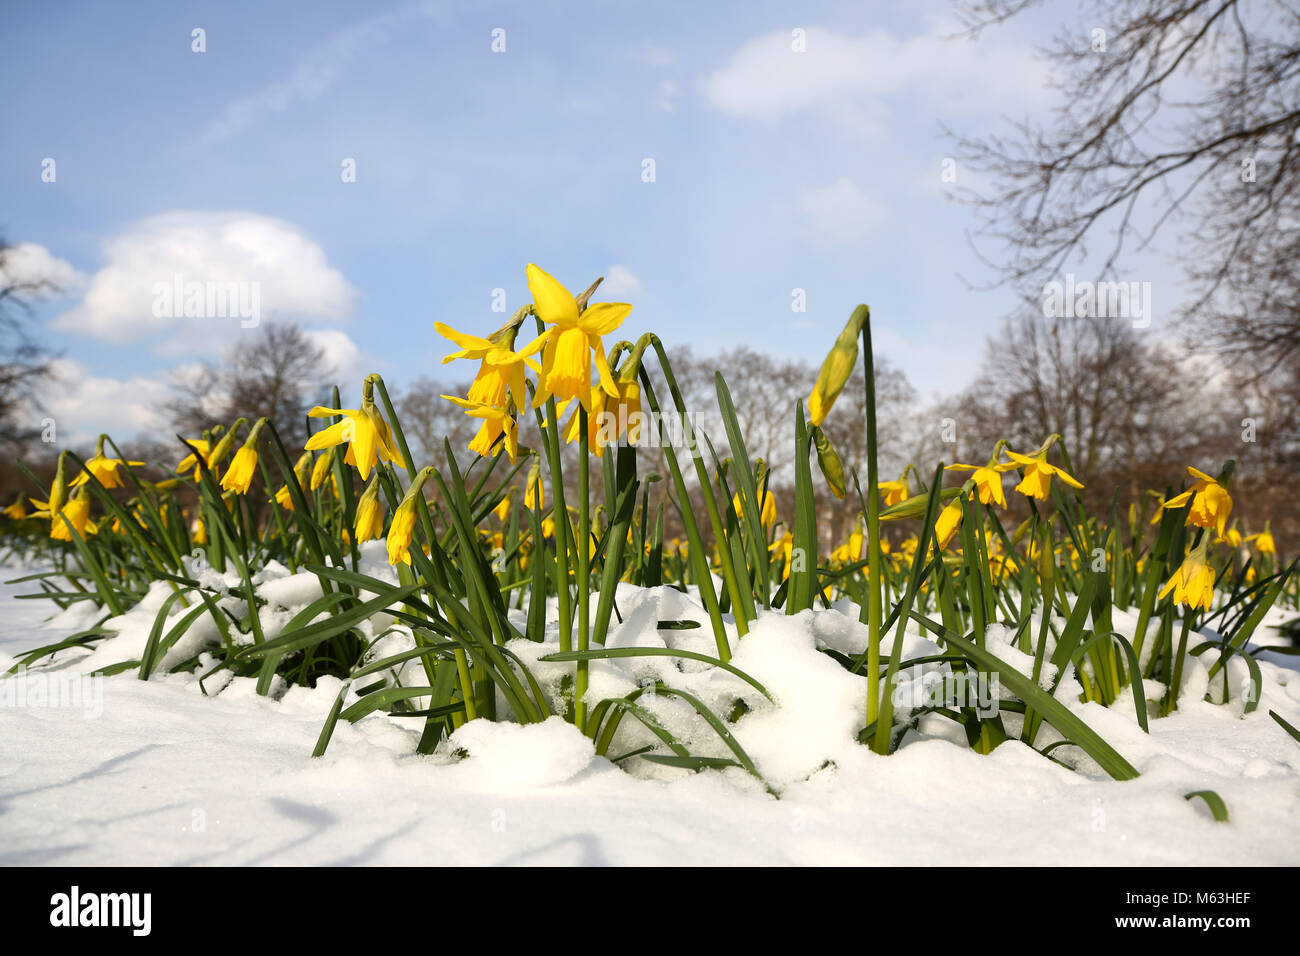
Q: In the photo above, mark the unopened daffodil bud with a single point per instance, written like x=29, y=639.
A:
x=370, y=515
x=829, y=461
x=837, y=368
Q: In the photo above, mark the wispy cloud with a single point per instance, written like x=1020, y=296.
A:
x=851, y=78
x=317, y=70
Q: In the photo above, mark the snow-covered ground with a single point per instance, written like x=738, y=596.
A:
x=158, y=773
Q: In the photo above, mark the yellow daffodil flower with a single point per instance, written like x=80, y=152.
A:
x=1210, y=503
x=104, y=468
x=767, y=515
x=783, y=545
x=572, y=342
x=370, y=515
x=320, y=469
x=988, y=480
x=239, y=476
x=191, y=460
x=837, y=368
x=1037, y=482
x=946, y=525
x=502, y=370
x=892, y=492
x=1193, y=582
x=77, y=512
x=1264, y=543
x=240, y=473
x=496, y=422
x=366, y=433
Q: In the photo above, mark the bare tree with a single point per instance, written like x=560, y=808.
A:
x=277, y=373
x=428, y=419
x=24, y=362
x=1178, y=110
x=1121, y=405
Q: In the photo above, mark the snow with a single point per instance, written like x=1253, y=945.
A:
x=157, y=772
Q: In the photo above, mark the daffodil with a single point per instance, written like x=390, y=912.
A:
x=620, y=415
x=76, y=511
x=1037, y=482
x=320, y=469
x=851, y=550
x=988, y=478
x=945, y=526
x=893, y=492
x=1210, y=502
x=837, y=368
x=766, y=515
x=496, y=423
x=784, y=546
x=502, y=510
x=502, y=370
x=363, y=429
x=284, y=497
x=534, y=490
x=1264, y=543
x=1193, y=582
x=16, y=511
x=402, y=527
x=103, y=468
x=198, y=531
x=58, y=490
x=573, y=340
x=370, y=515
x=191, y=460
x=222, y=447
x=239, y=476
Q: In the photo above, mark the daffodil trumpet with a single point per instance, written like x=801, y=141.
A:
x=402, y=528
x=1208, y=502
x=239, y=476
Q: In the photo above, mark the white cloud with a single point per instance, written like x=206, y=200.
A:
x=84, y=405
x=849, y=78
x=31, y=265
x=841, y=213
x=285, y=269
x=619, y=280
x=342, y=355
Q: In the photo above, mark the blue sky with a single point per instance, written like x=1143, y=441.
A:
x=775, y=170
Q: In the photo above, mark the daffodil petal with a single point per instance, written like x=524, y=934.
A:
x=553, y=302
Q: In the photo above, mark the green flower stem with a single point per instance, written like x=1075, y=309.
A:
x=463, y=676
x=584, y=570
x=730, y=581
x=873, y=609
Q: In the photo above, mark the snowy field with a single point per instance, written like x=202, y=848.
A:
x=158, y=773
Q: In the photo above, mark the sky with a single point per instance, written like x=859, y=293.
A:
x=717, y=163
